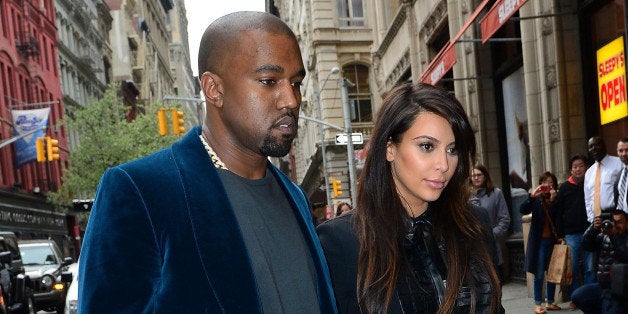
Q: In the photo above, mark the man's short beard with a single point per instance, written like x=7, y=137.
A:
x=276, y=148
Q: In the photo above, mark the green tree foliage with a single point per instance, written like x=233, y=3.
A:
x=106, y=139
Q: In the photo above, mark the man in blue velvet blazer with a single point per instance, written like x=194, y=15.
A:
x=173, y=232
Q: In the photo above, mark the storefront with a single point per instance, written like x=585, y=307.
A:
x=604, y=40
x=32, y=218
x=538, y=78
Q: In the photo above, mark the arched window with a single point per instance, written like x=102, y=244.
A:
x=350, y=12
x=360, y=94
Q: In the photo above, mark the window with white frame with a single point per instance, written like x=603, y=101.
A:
x=350, y=12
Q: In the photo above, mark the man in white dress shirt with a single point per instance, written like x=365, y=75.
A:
x=610, y=168
x=621, y=186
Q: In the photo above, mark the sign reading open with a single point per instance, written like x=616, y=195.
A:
x=611, y=75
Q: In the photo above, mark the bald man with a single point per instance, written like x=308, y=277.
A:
x=610, y=167
x=208, y=225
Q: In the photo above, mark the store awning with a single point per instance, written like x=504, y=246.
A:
x=497, y=16
x=446, y=57
x=501, y=11
x=443, y=62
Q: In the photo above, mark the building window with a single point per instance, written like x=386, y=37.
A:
x=350, y=12
x=360, y=94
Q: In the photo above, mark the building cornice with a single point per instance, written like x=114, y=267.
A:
x=400, y=18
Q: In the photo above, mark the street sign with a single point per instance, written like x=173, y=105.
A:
x=342, y=139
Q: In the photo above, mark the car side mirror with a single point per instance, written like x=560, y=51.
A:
x=5, y=257
x=67, y=261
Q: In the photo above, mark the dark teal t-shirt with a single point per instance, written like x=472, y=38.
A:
x=283, y=267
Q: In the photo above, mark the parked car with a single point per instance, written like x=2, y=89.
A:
x=48, y=271
x=16, y=293
x=71, y=299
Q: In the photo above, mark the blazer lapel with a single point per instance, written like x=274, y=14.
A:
x=218, y=238
x=302, y=212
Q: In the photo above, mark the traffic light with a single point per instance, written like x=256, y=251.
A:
x=52, y=149
x=178, y=125
x=336, y=187
x=162, y=122
x=39, y=146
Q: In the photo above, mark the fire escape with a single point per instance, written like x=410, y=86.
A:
x=27, y=44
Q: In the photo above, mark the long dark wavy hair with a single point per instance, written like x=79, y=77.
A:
x=488, y=185
x=380, y=213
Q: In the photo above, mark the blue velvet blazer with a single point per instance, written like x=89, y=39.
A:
x=163, y=238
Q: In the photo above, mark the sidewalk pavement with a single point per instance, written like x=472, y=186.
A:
x=516, y=301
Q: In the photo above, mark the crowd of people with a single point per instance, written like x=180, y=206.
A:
x=573, y=214
x=425, y=235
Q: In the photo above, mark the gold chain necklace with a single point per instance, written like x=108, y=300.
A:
x=212, y=154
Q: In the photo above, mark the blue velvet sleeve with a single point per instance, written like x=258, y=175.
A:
x=120, y=259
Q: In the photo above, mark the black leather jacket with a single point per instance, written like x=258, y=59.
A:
x=421, y=288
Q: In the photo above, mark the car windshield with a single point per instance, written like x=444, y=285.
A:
x=38, y=255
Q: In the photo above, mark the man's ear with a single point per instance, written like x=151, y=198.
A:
x=212, y=88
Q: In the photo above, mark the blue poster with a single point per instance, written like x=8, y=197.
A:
x=24, y=122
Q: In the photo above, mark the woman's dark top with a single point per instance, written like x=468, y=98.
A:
x=421, y=285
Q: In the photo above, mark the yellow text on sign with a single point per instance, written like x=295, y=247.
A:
x=611, y=75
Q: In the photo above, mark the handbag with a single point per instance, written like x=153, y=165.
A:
x=559, y=270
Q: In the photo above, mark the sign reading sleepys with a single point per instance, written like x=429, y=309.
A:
x=611, y=76
x=498, y=15
x=441, y=65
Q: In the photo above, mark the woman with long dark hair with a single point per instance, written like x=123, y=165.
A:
x=413, y=244
x=492, y=199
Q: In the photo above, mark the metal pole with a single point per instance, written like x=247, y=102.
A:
x=346, y=110
x=331, y=125
x=13, y=139
x=322, y=134
x=199, y=105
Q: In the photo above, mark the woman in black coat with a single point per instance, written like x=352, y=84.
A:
x=413, y=244
x=541, y=238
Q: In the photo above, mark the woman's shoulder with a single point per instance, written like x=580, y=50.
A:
x=338, y=237
x=340, y=224
x=498, y=191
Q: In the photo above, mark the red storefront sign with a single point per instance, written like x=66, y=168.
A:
x=446, y=57
x=443, y=63
x=498, y=15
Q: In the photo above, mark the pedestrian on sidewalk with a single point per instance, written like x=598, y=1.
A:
x=571, y=220
x=608, y=237
x=209, y=225
x=492, y=199
x=413, y=244
x=541, y=239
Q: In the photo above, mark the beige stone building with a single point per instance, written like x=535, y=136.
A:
x=329, y=41
x=534, y=82
x=84, y=53
x=183, y=90
x=140, y=40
